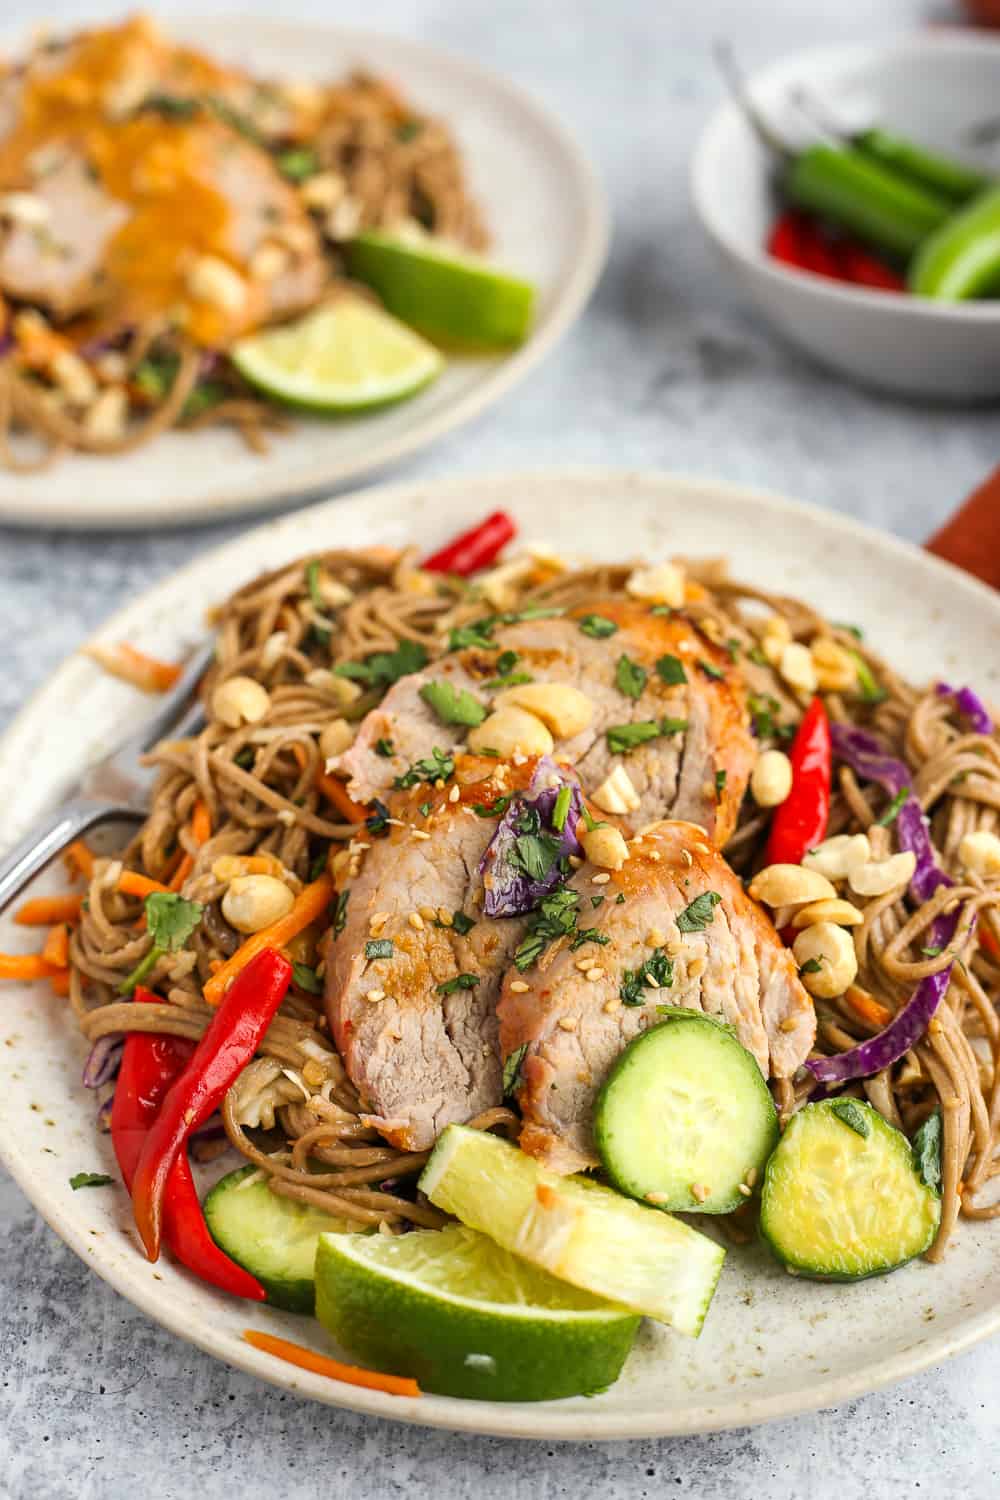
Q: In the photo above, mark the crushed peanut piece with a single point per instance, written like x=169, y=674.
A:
x=568, y=1023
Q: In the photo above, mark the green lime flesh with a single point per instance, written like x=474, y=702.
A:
x=448, y=296
x=273, y=1238
x=685, y=1120
x=466, y=1318
x=840, y=1205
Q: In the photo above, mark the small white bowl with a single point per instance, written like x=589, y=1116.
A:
x=931, y=89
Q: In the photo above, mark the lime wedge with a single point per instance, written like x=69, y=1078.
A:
x=575, y=1229
x=345, y=355
x=465, y=1318
x=450, y=296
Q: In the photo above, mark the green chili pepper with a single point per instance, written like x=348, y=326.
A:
x=847, y=188
x=962, y=260
x=928, y=168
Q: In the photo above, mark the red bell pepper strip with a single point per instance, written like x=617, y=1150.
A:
x=150, y=1064
x=785, y=240
x=799, y=824
x=472, y=550
x=819, y=255
x=232, y=1038
x=864, y=269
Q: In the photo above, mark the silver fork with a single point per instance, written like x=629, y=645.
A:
x=116, y=787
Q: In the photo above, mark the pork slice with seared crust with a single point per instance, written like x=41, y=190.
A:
x=697, y=771
x=568, y=1028
x=419, y=1058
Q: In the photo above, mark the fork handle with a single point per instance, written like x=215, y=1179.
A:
x=51, y=834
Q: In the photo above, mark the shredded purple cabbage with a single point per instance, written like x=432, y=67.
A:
x=526, y=831
x=865, y=755
x=103, y=1061
x=970, y=705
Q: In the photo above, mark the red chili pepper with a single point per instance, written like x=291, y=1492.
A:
x=799, y=824
x=150, y=1065
x=818, y=253
x=474, y=549
x=232, y=1038
x=785, y=240
x=865, y=269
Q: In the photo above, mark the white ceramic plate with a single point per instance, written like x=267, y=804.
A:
x=548, y=217
x=771, y=1345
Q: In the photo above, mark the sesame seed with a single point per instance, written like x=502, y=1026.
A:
x=594, y=974
x=601, y=879
x=444, y=916
x=743, y=1189
x=583, y=964
x=610, y=1006
x=674, y=947
x=655, y=938
x=416, y=921
x=374, y=995
x=418, y=833
x=697, y=967
x=751, y=1177
x=686, y=856
x=518, y=987
x=651, y=982
x=428, y=913
x=788, y=1024
x=568, y=1023
x=454, y=794
x=703, y=848
x=699, y=1192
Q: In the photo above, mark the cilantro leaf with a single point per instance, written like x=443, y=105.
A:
x=91, y=1179
x=493, y=809
x=624, y=737
x=453, y=706
x=385, y=748
x=383, y=668
x=298, y=163
x=436, y=767
x=671, y=669
x=598, y=627
x=535, y=854
x=720, y=784
x=927, y=1152
x=512, y=1070
x=479, y=635
x=171, y=920
x=379, y=948
x=556, y=917
x=764, y=711
x=850, y=1113
x=711, y=670
x=811, y=966
x=460, y=982
x=307, y=979
x=701, y=911
x=340, y=913
x=461, y=923
x=630, y=678
x=657, y=967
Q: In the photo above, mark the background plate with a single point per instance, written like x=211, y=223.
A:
x=548, y=218
x=772, y=1346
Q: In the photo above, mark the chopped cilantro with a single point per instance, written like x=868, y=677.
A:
x=460, y=982
x=318, y=866
x=720, y=784
x=385, y=748
x=556, y=917
x=383, y=668
x=171, y=920
x=854, y=630
x=461, y=923
x=927, y=1152
x=850, y=1113
x=493, y=809
x=378, y=948
x=870, y=688
x=589, y=935
x=505, y=663
x=512, y=1070
x=436, y=767
x=701, y=911
x=478, y=635
x=90, y=1179
x=624, y=737
x=757, y=656
x=245, y=758
x=733, y=647
x=596, y=901
x=630, y=678
x=424, y=809
x=307, y=979
x=297, y=163
x=377, y=820
x=657, y=967
x=812, y=965
x=671, y=669
x=662, y=609
x=453, y=705
x=340, y=912
x=620, y=899
x=892, y=811
x=599, y=627
x=710, y=669
x=514, y=680
x=933, y=951
x=763, y=711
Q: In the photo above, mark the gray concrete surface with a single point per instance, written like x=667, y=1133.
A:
x=665, y=369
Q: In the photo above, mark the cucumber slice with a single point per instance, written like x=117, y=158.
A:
x=685, y=1116
x=273, y=1238
x=577, y=1230
x=842, y=1197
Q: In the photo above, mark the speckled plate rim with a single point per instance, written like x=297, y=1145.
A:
x=660, y=502
x=309, y=479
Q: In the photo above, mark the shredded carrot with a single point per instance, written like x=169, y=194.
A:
x=321, y=1364
x=145, y=672
x=25, y=966
x=56, y=949
x=694, y=592
x=300, y=754
x=181, y=873
x=80, y=859
x=335, y=791
x=131, y=883
x=60, y=982
x=988, y=941
x=44, y=911
x=308, y=905
x=866, y=1006
x=201, y=823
